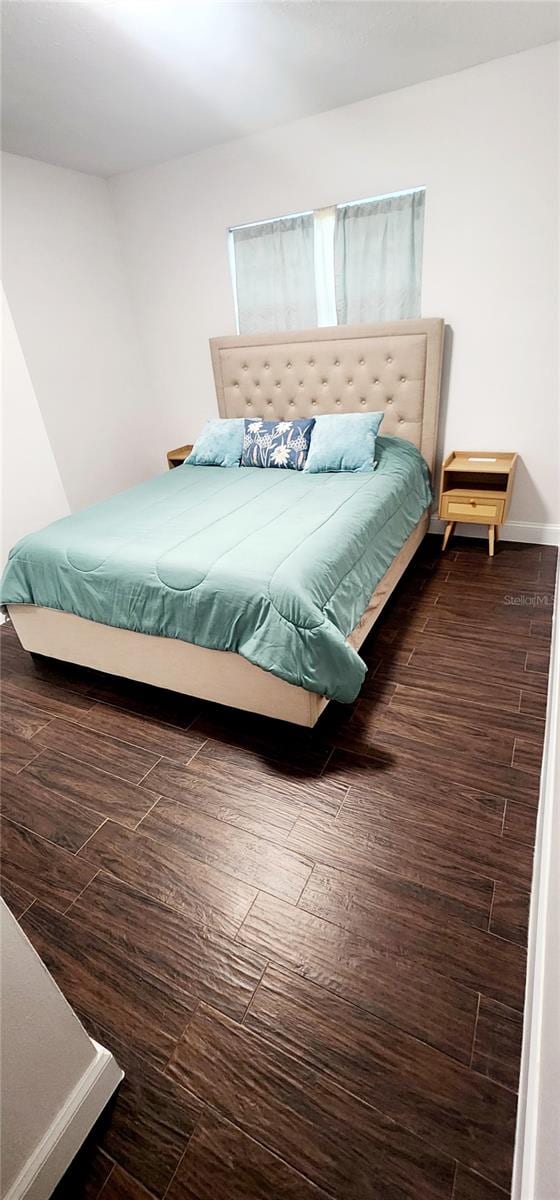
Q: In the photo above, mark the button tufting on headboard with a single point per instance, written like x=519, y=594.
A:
x=314, y=372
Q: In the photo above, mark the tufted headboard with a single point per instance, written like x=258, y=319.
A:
x=393, y=368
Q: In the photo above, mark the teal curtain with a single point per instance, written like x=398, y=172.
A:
x=378, y=259
x=275, y=275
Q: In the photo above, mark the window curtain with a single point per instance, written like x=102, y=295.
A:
x=378, y=259
x=275, y=275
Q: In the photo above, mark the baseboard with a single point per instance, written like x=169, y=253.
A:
x=55, y=1151
x=512, y=531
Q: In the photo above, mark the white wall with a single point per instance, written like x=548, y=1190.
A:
x=536, y=1170
x=65, y=284
x=55, y=1079
x=34, y=1086
x=26, y=451
x=483, y=143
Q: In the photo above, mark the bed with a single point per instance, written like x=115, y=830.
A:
x=254, y=588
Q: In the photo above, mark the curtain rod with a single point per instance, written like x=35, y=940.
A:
x=308, y=212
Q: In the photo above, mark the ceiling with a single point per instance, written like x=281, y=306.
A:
x=112, y=86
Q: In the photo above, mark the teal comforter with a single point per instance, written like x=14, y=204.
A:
x=275, y=565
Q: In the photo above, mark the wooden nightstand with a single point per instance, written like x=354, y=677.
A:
x=476, y=487
x=178, y=456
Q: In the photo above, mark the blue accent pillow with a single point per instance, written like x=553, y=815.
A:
x=344, y=442
x=277, y=443
x=219, y=445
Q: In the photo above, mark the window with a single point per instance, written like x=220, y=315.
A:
x=353, y=262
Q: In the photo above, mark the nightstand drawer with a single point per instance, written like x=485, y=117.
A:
x=465, y=508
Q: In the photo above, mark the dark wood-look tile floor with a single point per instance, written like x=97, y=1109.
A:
x=305, y=948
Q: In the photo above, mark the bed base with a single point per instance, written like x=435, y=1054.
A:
x=218, y=675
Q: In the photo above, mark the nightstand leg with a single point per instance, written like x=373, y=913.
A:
x=448, y=531
x=491, y=532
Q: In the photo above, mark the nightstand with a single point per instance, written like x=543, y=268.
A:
x=178, y=456
x=476, y=487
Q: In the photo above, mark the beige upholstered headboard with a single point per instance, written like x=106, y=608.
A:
x=391, y=368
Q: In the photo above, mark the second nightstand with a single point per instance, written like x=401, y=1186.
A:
x=178, y=456
x=476, y=487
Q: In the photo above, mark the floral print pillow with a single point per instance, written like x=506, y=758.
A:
x=277, y=443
